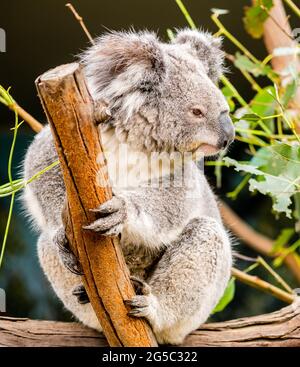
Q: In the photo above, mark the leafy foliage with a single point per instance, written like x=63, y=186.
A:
x=227, y=296
x=243, y=62
x=276, y=169
x=255, y=16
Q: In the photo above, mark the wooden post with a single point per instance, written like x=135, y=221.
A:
x=69, y=109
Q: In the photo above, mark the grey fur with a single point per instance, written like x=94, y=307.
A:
x=172, y=236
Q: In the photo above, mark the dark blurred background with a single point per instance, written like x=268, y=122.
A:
x=43, y=34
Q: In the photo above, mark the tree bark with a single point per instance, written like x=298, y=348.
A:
x=278, y=33
x=277, y=329
x=69, y=109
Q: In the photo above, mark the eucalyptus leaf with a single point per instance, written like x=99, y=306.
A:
x=250, y=117
x=228, y=94
x=275, y=172
x=264, y=105
x=242, y=62
x=227, y=296
x=255, y=16
x=290, y=92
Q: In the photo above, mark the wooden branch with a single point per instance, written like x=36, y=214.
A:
x=241, y=229
x=277, y=329
x=278, y=33
x=254, y=239
x=69, y=110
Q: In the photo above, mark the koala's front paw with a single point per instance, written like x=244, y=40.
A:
x=80, y=293
x=67, y=257
x=112, y=215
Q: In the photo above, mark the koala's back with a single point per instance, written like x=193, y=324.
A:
x=44, y=196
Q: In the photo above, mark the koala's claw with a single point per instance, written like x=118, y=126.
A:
x=112, y=215
x=140, y=286
x=69, y=260
x=81, y=294
x=140, y=306
x=110, y=206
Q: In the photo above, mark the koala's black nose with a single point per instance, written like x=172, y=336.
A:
x=227, y=130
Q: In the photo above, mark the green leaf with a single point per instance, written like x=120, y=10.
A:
x=241, y=166
x=289, y=93
x=228, y=94
x=255, y=16
x=250, y=117
x=227, y=296
x=276, y=171
x=242, y=62
x=264, y=104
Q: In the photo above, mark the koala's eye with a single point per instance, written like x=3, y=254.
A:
x=197, y=112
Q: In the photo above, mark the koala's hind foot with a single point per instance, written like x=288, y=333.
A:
x=187, y=282
x=80, y=293
x=111, y=216
x=141, y=303
x=67, y=257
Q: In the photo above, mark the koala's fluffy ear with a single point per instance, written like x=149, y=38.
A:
x=206, y=47
x=135, y=59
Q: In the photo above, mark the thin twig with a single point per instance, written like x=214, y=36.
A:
x=255, y=240
x=245, y=258
x=30, y=120
x=262, y=285
x=186, y=14
x=283, y=283
x=293, y=6
x=8, y=101
x=81, y=22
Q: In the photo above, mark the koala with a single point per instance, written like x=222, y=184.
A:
x=163, y=99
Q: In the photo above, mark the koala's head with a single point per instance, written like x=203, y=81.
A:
x=163, y=96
